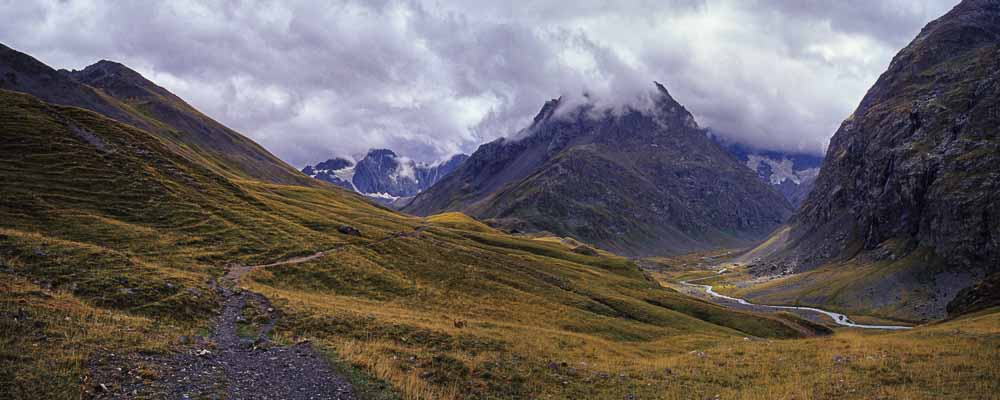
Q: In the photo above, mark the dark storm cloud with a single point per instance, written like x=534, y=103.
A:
x=310, y=80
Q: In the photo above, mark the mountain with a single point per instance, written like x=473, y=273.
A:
x=640, y=180
x=792, y=174
x=118, y=92
x=113, y=241
x=384, y=176
x=904, y=211
x=118, y=240
x=133, y=264
x=338, y=171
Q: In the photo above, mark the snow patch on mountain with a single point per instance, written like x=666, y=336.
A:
x=780, y=170
x=791, y=174
x=382, y=196
x=382, y=175
x=346, y=173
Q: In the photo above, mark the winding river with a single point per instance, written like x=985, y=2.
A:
x=840, y=319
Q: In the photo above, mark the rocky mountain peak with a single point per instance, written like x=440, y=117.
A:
x=663, y=104
x=380, y=153
x=663, y=97
x=107, y=67
x=383, y=175
x=638, y=179
x=547, y=111
x=114, y=90
x=120, y=81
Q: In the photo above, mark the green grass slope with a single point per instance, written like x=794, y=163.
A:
x=110, y=236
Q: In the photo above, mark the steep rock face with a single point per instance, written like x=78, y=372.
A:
x=636, y=181
x=383, y=175
x=381, y=171
x=432, y=174
x=338, y=171
x=916, y=169
x=120, y=93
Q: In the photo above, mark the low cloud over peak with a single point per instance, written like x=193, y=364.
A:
x=313, y=79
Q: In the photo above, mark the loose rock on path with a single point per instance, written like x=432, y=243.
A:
x=226, y=365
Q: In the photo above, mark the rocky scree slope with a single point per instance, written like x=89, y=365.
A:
x=911, y=180
x=632, y=181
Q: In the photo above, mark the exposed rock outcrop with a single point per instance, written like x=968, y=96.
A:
x=912, y=177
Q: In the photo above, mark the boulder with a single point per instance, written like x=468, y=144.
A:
x=349, y=230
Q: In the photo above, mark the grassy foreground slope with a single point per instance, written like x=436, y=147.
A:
x=110, y=238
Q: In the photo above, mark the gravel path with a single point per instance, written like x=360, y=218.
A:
x=257, y=369
x=227, y=365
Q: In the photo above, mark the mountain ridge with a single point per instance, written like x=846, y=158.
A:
x=120, y=93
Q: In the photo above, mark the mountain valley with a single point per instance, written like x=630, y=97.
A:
x=148, y=251
x=792, y=174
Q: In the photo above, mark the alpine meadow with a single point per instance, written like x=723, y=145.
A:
x=469, y=200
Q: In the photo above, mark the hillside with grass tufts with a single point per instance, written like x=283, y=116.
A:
x=118, y=92
x=143, y=257
x=111, y=240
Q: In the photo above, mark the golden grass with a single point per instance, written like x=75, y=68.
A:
x=123, y=242
x=847, y=287
x=957, y=359
x=47, y=338
x=457, y=220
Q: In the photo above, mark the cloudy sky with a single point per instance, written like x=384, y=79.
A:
x=314, y=79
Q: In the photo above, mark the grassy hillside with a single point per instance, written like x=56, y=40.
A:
x=115, y=91
x=911, y=288
x=110, y=239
